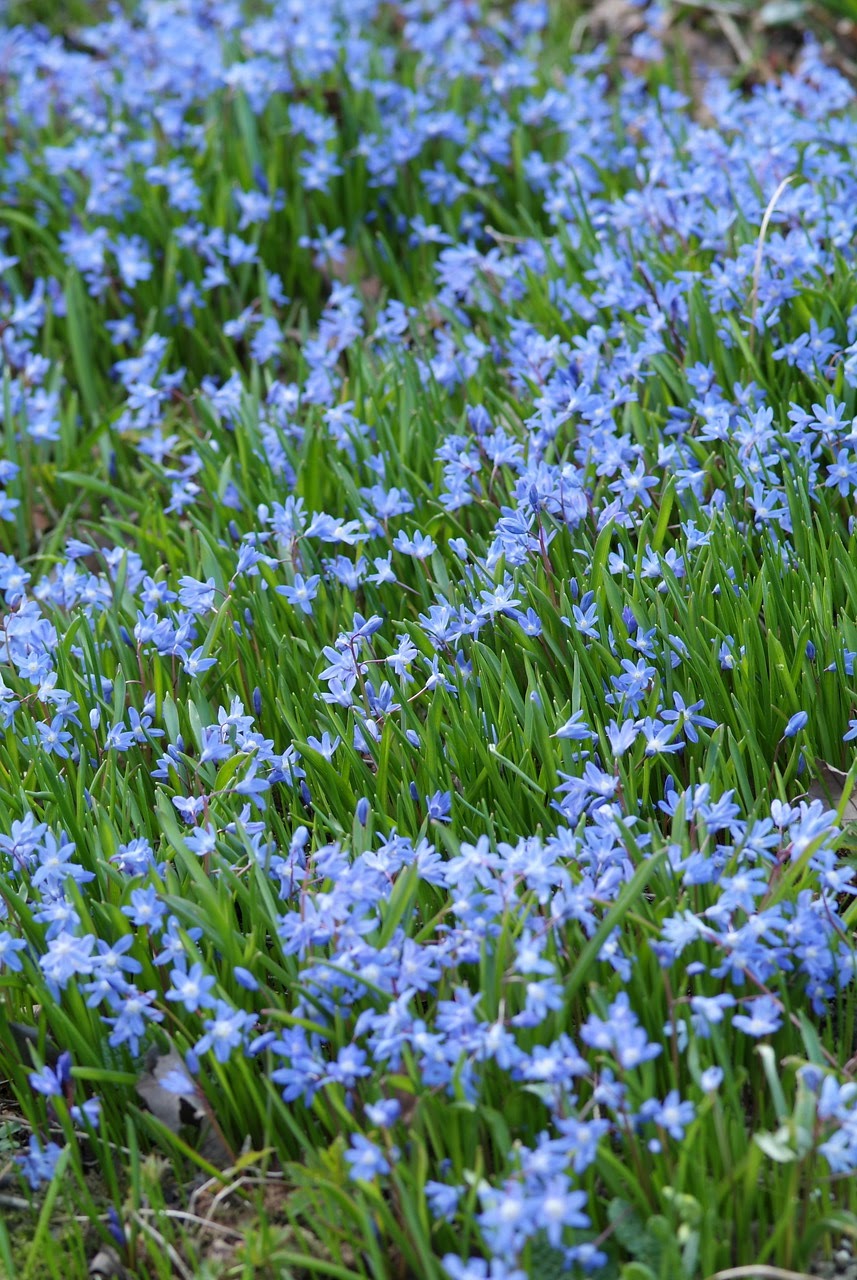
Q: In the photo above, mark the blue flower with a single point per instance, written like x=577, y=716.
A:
x=224, y=1031
x=366, y=1160
x=797, y=722
x=9, y=952
x=40, y=1163
x=764, y=1017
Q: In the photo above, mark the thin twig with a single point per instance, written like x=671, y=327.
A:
x=501, y=238
x=712, y=6
x=250, y=1176
x=217, y=1228
x=732, y=32
x=206, y=1224
x=225, y=1192
x=761, y=1272
x=14, y=1202
x=760, y=248
x=168, y=1249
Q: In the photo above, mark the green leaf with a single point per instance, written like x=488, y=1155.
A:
x=80, y=340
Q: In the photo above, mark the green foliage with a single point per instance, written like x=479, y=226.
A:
x=745, y=1177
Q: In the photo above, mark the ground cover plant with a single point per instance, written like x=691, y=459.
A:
x=429, y=575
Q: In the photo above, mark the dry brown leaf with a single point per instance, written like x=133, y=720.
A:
x=172, y=1108
x=607, y=19
x=107, y=1265
x=178, y=1108
x=829, y=787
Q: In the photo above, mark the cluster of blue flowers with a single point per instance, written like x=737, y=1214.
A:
x=582, y=438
